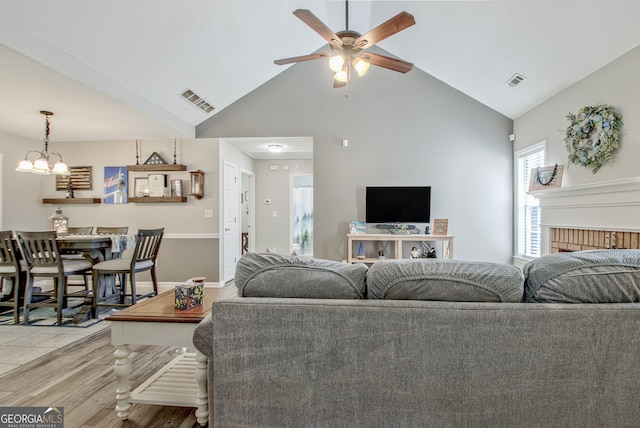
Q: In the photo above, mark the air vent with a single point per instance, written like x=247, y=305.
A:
x=196, y=100
x=515, y=80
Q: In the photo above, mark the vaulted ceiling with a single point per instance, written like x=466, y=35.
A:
x=115, y=69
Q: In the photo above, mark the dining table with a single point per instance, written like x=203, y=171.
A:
x=101, y=247
x=98, y=247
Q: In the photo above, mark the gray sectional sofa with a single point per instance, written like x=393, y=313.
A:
x=427, y=343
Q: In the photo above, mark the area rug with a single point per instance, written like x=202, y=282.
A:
x=74, y=316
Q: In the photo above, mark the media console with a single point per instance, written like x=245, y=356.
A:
x=395, y=246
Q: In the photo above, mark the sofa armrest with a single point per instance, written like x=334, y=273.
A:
x=203, y=335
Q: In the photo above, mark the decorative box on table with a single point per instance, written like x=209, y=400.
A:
x=190, y=294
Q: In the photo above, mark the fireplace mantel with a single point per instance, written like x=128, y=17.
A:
x=604, y=187
x=606, y=205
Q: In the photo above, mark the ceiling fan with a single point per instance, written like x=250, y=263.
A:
x=348, y=47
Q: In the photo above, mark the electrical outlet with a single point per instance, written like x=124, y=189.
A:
x=208, y=213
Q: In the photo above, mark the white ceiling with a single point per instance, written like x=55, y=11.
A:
x=114, y=69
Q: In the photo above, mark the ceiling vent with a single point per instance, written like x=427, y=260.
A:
x=515, y=80
x=196, y=101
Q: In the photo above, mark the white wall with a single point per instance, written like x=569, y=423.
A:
x=616, y=84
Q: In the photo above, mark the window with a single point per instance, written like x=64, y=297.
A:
x=527, y=210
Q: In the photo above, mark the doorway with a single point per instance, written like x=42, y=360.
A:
x=247, y=212
x=230, y=235
x=301, y=208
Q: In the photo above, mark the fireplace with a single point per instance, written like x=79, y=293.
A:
x=564, y=239
x=591, y=216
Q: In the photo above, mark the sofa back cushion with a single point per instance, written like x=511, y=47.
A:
x=277, y=275
x=599, y=276
x=450, y=280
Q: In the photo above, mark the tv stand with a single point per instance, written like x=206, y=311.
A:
x=402, y=244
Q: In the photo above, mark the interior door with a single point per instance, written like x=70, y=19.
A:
x=230, y=235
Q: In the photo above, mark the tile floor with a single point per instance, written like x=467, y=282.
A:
x=22, y=344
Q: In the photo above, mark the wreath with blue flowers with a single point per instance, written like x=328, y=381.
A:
x=593, y=135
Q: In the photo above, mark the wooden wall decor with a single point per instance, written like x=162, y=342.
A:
x=81, y=178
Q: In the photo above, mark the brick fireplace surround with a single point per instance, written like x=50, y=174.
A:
x=583, y=239
x=590, y=216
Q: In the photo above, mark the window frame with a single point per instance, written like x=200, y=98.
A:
x=517, y=189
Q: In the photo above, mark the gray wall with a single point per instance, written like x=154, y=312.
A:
x=616, y=84
x=403, y=130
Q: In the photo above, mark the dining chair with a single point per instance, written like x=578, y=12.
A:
x=42, y=255
x=118, y=230
x=83, y=230
x=143, y=258
x=12, y=275
x=102, y=230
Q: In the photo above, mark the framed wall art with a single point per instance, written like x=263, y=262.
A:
x=141, y=187
x=115, y=185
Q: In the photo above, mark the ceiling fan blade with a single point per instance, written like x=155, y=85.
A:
x=387, y=62
x=388, y=28
x=318, y=26
x=300, y=58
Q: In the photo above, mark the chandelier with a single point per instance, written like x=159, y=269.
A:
x=42, y=164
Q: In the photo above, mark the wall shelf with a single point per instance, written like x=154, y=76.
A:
x=157, y=200
x=156, y=168
x=161, y=167
x=66, y=201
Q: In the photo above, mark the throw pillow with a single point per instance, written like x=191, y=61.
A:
x=598, y=276
x=449, y=280
x=277, y=275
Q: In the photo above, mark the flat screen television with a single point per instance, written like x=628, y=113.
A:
x=400, y=204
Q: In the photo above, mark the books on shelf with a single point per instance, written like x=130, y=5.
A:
x=357, y=226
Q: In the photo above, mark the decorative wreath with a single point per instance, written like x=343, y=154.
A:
x=593, y=135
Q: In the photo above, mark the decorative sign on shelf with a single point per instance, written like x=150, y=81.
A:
x=546, y=177
x=80, y=178
x=155, y=159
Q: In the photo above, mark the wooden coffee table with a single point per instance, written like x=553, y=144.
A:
x=182, y=382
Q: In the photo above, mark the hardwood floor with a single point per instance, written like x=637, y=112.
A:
x=79, y=377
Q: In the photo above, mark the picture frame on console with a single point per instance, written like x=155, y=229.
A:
x=440, y=226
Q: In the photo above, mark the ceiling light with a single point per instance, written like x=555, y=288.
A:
x=342, y=75
x=42, y=165
x=275, y=148
x=336, y=62
x=360, y=66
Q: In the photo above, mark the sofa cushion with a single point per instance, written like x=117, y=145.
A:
x=450, y=280
x=277, y=275
x=598, y=276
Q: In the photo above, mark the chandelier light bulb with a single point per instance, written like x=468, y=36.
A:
x=336, y=62
x=361, y=66
x=341, y=76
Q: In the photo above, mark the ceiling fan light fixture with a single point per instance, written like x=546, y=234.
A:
x=336, y=62
x=342, y=75
x=361, y=66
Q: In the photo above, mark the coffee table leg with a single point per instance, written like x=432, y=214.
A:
x=202, y=412
x=122, y=369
